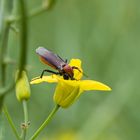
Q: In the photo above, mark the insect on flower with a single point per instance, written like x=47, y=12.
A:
x=57, y=63
x=68, y=91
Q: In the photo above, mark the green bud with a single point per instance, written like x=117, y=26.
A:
x=22, y=87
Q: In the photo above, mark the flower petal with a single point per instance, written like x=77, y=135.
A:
x=75, y=62
x=49, y=79
x=77, y=73
x=67, y=91
x=73, y=83
x=93, y=85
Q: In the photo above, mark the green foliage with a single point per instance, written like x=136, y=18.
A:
x=105, y=36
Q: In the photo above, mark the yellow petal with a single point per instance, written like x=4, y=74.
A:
x=73, y=83
x=75, y=93
x=75, y=62
x=77, y=73
x=49, y=79
x=93, y=85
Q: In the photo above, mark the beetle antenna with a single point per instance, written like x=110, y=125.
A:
x=60, y=57
x=85, y=75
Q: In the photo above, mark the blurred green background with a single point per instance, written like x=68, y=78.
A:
x=105, y=35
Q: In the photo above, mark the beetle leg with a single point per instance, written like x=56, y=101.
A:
x=72, y=78
x=49, y=72
x=74, y=67
x=66, y=60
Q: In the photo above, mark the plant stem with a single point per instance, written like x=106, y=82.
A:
x=6, y=7
x=44, y=124
x=7, y=89
x=11, y=122
x=4, y=35
x=25, y=124
x=25, y=111
x=3, y=50
x=46, y=5
x=14, y=29
x=35, y=12
x=23, y=36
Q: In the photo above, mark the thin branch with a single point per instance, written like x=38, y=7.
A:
x=26, y=122
x=7, y=89
x=35, y=12
x=45, y=123
x=11, y=122
x=14, y=29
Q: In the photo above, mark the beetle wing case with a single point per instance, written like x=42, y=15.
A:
x=50, y=58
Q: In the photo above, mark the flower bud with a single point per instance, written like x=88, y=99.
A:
x=22, y=87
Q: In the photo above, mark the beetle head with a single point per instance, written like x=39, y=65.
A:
x=68, y=72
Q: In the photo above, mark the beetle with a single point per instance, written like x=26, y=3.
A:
x=56, y=62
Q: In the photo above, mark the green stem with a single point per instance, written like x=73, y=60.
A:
x=35, y=12
x=23, y=36
x=14, y=29
x=4, y=28
x=11, y=122
x=7, y=89
x=25, y=109
x=44, y=124
x=46, y=5
x=4, y=45
x=32, y=14
x=25, y=124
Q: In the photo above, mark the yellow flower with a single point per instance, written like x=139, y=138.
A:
x=67, y=91
x=22, y=87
